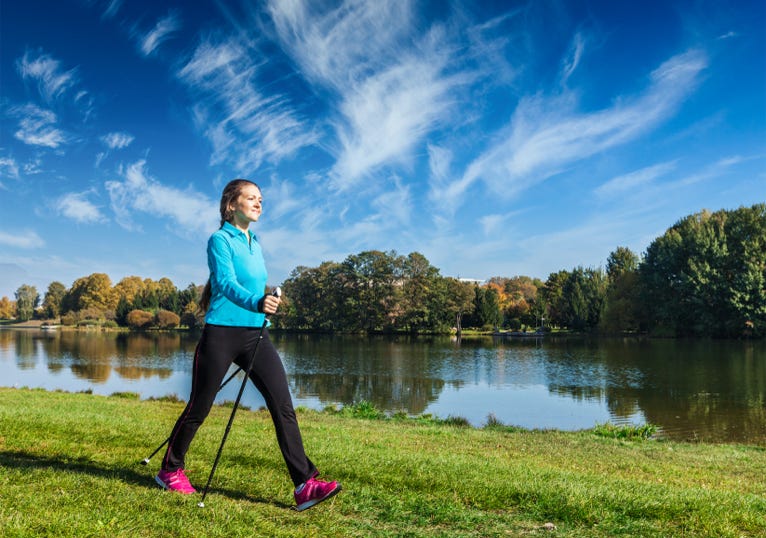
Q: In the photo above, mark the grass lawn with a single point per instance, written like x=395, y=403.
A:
x=69, y=466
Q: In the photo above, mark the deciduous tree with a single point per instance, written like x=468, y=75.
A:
x=27, y=299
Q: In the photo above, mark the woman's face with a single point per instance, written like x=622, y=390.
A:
x=247, y=207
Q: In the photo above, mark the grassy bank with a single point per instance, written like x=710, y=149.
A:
x=69, y=467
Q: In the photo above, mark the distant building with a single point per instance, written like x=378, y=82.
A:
x=476, y=281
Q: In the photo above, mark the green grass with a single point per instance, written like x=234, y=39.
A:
x=69, y=466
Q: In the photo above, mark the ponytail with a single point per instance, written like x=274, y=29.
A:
x=204, y=299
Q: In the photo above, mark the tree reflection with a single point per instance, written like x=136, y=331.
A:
x=691, y=389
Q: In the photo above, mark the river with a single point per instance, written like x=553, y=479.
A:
x=698, y=390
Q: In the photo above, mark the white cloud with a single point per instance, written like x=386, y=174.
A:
x=548, y=135
x=113, y=6
x=117, y=140
x=9, y=168
x=27, y=239
x=385, y=116
x=160, y=33
x=573, y=60
x=77, y=207
x=37, y=127
x=189, y=212
x=393, y=88
x=394, y=205
x=634, y=180
x=244, y=126
x=52, y=81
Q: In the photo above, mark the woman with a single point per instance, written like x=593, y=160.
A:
x=236, y=305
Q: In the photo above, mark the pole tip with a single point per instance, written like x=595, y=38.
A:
x=145, y=461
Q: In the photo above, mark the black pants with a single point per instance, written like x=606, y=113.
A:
x=218, y=347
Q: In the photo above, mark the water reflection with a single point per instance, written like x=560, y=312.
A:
x=692, y=389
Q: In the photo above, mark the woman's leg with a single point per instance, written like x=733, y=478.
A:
x=268, y=375
x=214, y=354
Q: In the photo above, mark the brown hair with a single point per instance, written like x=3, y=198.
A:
x=231, y=192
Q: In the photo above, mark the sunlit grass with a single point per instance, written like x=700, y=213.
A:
x=69, y=466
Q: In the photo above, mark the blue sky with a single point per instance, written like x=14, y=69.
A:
x=495, y=138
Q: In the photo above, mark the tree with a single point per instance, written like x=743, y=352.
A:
x=459, y=301
x=552, y=295
x=620, y=261
x=621, y=305
x=168, y=295
x=52, y=301
x=316, y=298
x=7, y=308
x=486, y=311
x=27, y=299
x=93, y=291
x=706, y=275
x=420, y=293
x=369, y=280
x=128, y=288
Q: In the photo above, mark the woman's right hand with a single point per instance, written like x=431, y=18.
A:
x=271, y=304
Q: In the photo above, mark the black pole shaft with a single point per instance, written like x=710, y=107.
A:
x=145, y=461
x=233, y=412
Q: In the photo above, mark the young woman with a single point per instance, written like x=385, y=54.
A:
x=236, y=304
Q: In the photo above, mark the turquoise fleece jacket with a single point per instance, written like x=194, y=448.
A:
x=237, y=278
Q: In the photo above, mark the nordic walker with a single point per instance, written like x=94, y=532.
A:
x=236, y=305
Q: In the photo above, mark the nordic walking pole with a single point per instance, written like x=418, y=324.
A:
x=201, y=504
x=145, y=461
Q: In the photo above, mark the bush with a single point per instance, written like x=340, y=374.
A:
x=140, y=319
x=110, y=324
x=69, y=319
x=166, y=319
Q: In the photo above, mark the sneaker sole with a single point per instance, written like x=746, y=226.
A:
x=314, y=502
x=164, y=486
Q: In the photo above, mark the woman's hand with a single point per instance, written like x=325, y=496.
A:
x=271, y=304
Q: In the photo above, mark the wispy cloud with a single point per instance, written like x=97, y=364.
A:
x=77, y=207
x=573, y=59
x=244, y=126
x=161, y=32
x=188, y=212
x=112, y=7
x=548, y=134
x=634, y=180
x=117, y=140
x=393, y=87
x=52, y=80
x=9, y=168
x=26, y=239
x=38, y=127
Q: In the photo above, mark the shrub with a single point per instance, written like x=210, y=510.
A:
x=166, y=319
x=628, y=431
x=190, y=320
x=69, y=319
x=140, y=319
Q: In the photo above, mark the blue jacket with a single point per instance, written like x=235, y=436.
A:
x=237, y=278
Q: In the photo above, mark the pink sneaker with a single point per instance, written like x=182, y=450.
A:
x=175, y=481
x=313, y=492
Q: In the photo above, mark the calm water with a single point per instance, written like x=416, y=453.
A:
x=705, y=390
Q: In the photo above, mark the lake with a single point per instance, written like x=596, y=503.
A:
x=703, y=390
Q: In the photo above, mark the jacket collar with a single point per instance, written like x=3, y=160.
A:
x=233, y=231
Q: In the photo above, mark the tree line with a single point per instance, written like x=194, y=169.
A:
x=92, y=300
x=705, y=276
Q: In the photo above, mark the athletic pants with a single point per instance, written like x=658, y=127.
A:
x=218, y=347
